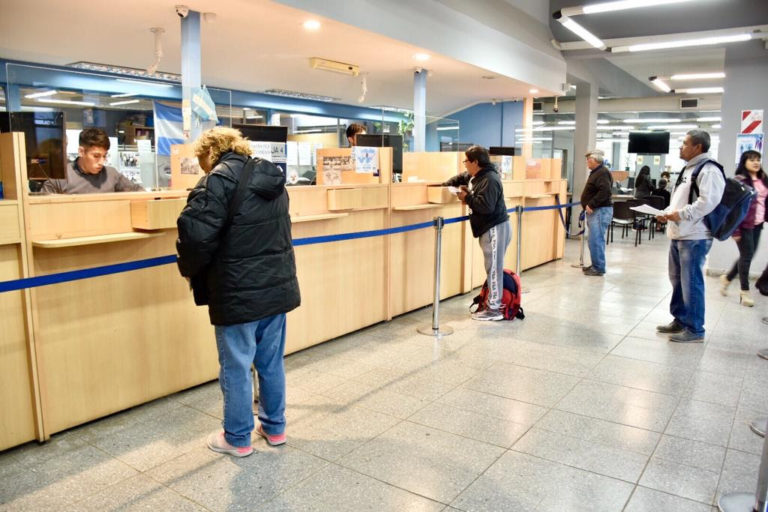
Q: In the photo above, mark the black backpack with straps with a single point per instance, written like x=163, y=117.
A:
x=732, y=208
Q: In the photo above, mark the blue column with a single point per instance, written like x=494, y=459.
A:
x=419, y=110
x=190, y=71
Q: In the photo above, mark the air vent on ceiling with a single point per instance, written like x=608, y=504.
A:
x=537, y=106
x=300, y=95
x=335, y=66
x=689, y=103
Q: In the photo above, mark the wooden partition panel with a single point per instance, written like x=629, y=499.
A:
x=108, y=343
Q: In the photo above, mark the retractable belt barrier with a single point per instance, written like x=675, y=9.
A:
x=76, y=275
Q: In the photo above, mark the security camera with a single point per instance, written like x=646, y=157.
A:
x=182, y=11
x=555, y=108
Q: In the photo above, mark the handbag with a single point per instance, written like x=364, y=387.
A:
x=199, y=282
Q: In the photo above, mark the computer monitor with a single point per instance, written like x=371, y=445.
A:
x=263, y=133
x=502, y=150
x=385, y=140
x=44, y=140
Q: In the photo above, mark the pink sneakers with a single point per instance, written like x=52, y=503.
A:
x=275, y=440
x=218, y=443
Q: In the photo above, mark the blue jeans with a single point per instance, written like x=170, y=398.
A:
x=686, y=273
x=261, y=343
x=598, y=223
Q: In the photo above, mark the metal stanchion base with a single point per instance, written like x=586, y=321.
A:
x=763, y=353
x=758, y=426
x=437, y=333
x=736, y=502
x=577, y=265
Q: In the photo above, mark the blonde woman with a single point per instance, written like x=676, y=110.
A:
x=235, y=246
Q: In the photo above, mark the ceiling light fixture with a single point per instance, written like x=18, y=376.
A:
x=533, y=91
x=580, y=31
x=697, y=76
x=445, y=128
x=41, y=94
x=312, y=25
x=716, y=126
x=616, y=127
x=144, y=82
x=67, y=102
x=126, y=102
x=709, y=119
x=124, y=95
x=553, y=128
x=701, y=90
x=659, y=83
x=652, y=120
x=603, y=121
x=673, y=127
x=620, y=5
x=567, y=123
x=421, y=57
x=706, y=41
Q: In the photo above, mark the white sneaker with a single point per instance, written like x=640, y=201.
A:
x=488, y=315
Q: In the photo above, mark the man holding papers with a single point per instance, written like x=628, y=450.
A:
x=690, y=238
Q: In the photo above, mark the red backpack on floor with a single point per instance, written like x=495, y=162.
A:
x=510, y=299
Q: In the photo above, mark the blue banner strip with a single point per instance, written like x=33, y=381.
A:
x=75, y=275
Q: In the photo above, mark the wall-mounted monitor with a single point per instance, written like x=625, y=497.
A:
x=263, y=133
x=651, y=143
x=44, y=140
x=385, y=140
x=502, y=150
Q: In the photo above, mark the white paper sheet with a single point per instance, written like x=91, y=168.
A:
x=644, y=208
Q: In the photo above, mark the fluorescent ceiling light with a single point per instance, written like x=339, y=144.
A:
x=603, y=121
x=625, y=127
x=652, y=120
x=706, y=119
x=143, y=82
x=568, y=123
x=553, y=128
x=673, y=126
x=702, y=90
x=67, y=102
x=686, y=42
x=444, y=128
x=582, y=32
x=716, y=126
x=126, y=102
x=124, y=95
x=26, y=108
x=536, y=123
x=660, y=84
x=626, y=4
x=312, y=25
x=40, y=94
x=535, y=139
x=533, y=91
x=422, y=57
x=697, y=76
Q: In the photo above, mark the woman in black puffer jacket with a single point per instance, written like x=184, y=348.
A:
x=241, y=264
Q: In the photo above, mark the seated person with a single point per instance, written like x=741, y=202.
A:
x=88, y=174
x=663, y=192
x=353, y=131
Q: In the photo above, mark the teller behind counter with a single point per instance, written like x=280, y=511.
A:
x=88, y=174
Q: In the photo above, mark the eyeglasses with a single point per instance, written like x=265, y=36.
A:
x=464, y=161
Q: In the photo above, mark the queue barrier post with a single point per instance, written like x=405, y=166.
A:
x=745, y=501
x=519, y=213
x=435, y=329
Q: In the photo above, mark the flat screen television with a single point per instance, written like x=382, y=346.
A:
x=44, y=140
x=385, y=140
x=652, y=143
x=502, y=150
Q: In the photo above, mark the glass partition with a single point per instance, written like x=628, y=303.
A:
x=53, y=105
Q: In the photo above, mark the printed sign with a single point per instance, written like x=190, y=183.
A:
x=747, y=142
x=751, y=121
x=366, y=160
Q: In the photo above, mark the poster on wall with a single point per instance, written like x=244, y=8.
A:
x=366, y=159
x=748, y=142
x=751, y=121
x=656, y=159
x=639, y=159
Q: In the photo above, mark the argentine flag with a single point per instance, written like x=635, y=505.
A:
x=168, y=128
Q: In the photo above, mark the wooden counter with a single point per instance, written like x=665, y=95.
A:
x=76, y=351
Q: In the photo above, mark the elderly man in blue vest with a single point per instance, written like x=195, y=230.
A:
x=690, y=238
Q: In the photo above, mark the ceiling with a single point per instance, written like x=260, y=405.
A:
x=253, y=45
x=693, y=16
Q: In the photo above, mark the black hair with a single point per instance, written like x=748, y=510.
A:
x=741, y=170
x=480, y=155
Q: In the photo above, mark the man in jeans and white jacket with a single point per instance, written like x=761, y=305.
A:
x=690, y=239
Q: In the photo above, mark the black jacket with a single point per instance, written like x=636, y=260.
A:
x=597, y=191
x=248, y=269
x=485, y=201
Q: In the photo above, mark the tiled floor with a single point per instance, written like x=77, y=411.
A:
x=581, y=406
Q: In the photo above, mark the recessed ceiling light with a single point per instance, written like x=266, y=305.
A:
x=312, y=25
x=40, y=94
x=124, y=102
x=701, y=90
x=533, y=91
x=421, y=57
